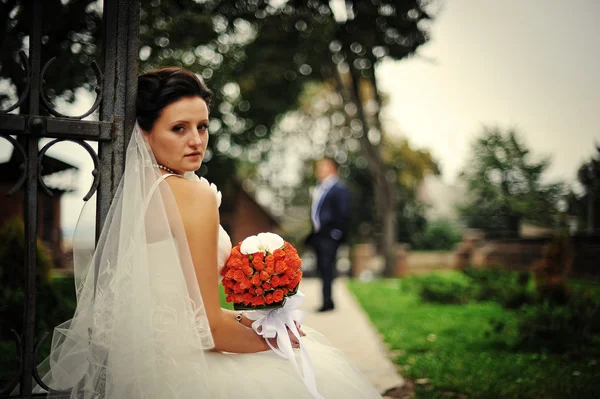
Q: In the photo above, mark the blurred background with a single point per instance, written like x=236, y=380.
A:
x=467, y=132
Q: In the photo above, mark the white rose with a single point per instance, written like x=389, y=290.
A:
x=264, y=242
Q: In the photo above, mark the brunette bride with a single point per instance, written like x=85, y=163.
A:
x=148, y=322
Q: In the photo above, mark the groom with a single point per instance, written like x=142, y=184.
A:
x=329, y=214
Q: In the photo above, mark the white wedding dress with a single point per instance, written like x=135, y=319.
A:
x=265, y=375
x=140, y=328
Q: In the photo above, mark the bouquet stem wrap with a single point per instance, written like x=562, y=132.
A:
x=274, y=323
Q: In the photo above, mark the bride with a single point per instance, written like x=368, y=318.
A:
x=148, y=322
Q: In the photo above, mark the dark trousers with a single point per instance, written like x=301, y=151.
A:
x=326, y=250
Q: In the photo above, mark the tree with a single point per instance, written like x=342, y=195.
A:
x=397, y=33
x=263, y=56
x=586, y=205
x=505, y=186
x=440, y=234
x=318, y=128
x=354, y=44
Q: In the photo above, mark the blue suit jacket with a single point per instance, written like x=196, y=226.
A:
x=334, y=214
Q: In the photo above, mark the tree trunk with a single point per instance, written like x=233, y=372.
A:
x=383, y=185
x=389, y=201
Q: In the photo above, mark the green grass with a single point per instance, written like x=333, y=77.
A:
x=450, y=345
x=224, y=304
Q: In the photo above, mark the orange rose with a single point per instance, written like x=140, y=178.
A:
x=258, y=257
x=235, y=253
x=278, y=295
x=247, y=298
x=237, y=289
x=228, y=291
x=238, y=298
x=296, y=263
x=285, y=291
x=269, y=298
x=278, y=254
x=270, y=270
x=251, y=291
x=284, y=280
x=293, y=261
x=266, y=286
x=259, y=266
x=274, y=281
x=247, y=270
x=259, y=291
x=280, y=267
x=245, y=261
x=270, y=261
x=238, y=275
x=289, y=249
x=229, y=298
x=259, y=300
x=290, y=272
x=234, y=263
x=264, y=276
x=245, y=284
x=255, y=280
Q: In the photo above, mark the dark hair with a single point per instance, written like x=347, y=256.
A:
x=335, y=163
x=161, y=87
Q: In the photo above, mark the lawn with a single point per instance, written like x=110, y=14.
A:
x=454, y=349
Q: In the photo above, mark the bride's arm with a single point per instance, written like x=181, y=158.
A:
x=199, y=212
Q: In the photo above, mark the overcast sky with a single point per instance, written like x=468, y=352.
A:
x=534, y=65
x=530, y=64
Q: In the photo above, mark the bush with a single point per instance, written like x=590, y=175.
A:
x=438, y=235
x=510, y=289
x=52, y=306
x=574, y=326
x=444, y=289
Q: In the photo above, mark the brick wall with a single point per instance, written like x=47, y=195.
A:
x=246, y=218
x=48, y=217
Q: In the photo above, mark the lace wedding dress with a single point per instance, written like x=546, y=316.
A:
x=140, y=329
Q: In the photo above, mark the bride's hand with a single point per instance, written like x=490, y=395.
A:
x=293, y=340
x=299, y=327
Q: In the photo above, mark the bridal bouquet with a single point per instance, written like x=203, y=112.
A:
x=261, y=272
x=262, y=276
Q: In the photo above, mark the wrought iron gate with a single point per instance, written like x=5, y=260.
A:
x=115, y=90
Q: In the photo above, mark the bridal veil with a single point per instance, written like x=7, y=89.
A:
x=139, y=307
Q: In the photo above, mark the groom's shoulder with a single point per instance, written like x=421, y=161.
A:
x=340, y=185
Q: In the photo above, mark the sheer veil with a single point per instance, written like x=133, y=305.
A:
x=139, y=310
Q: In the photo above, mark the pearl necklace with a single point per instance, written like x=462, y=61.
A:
x=157, y=165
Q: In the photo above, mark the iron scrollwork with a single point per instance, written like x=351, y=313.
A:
x=98, y=89
x=88, y=148
x=22, y=166
x=25, y=92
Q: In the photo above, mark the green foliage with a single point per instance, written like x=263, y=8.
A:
x=510, y=289
x=448, y=345
x=572, y=327
x=444, y=288
x=55, y=302
x=581, y=204
x=438, y=235
x=12, y=275
x=505, y=185
x=410, y=166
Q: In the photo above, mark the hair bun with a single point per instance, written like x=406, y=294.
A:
x=161, y=87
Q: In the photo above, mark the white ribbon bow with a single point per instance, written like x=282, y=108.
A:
x=274, y=323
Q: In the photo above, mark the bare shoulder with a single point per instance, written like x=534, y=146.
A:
x=193, y=198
